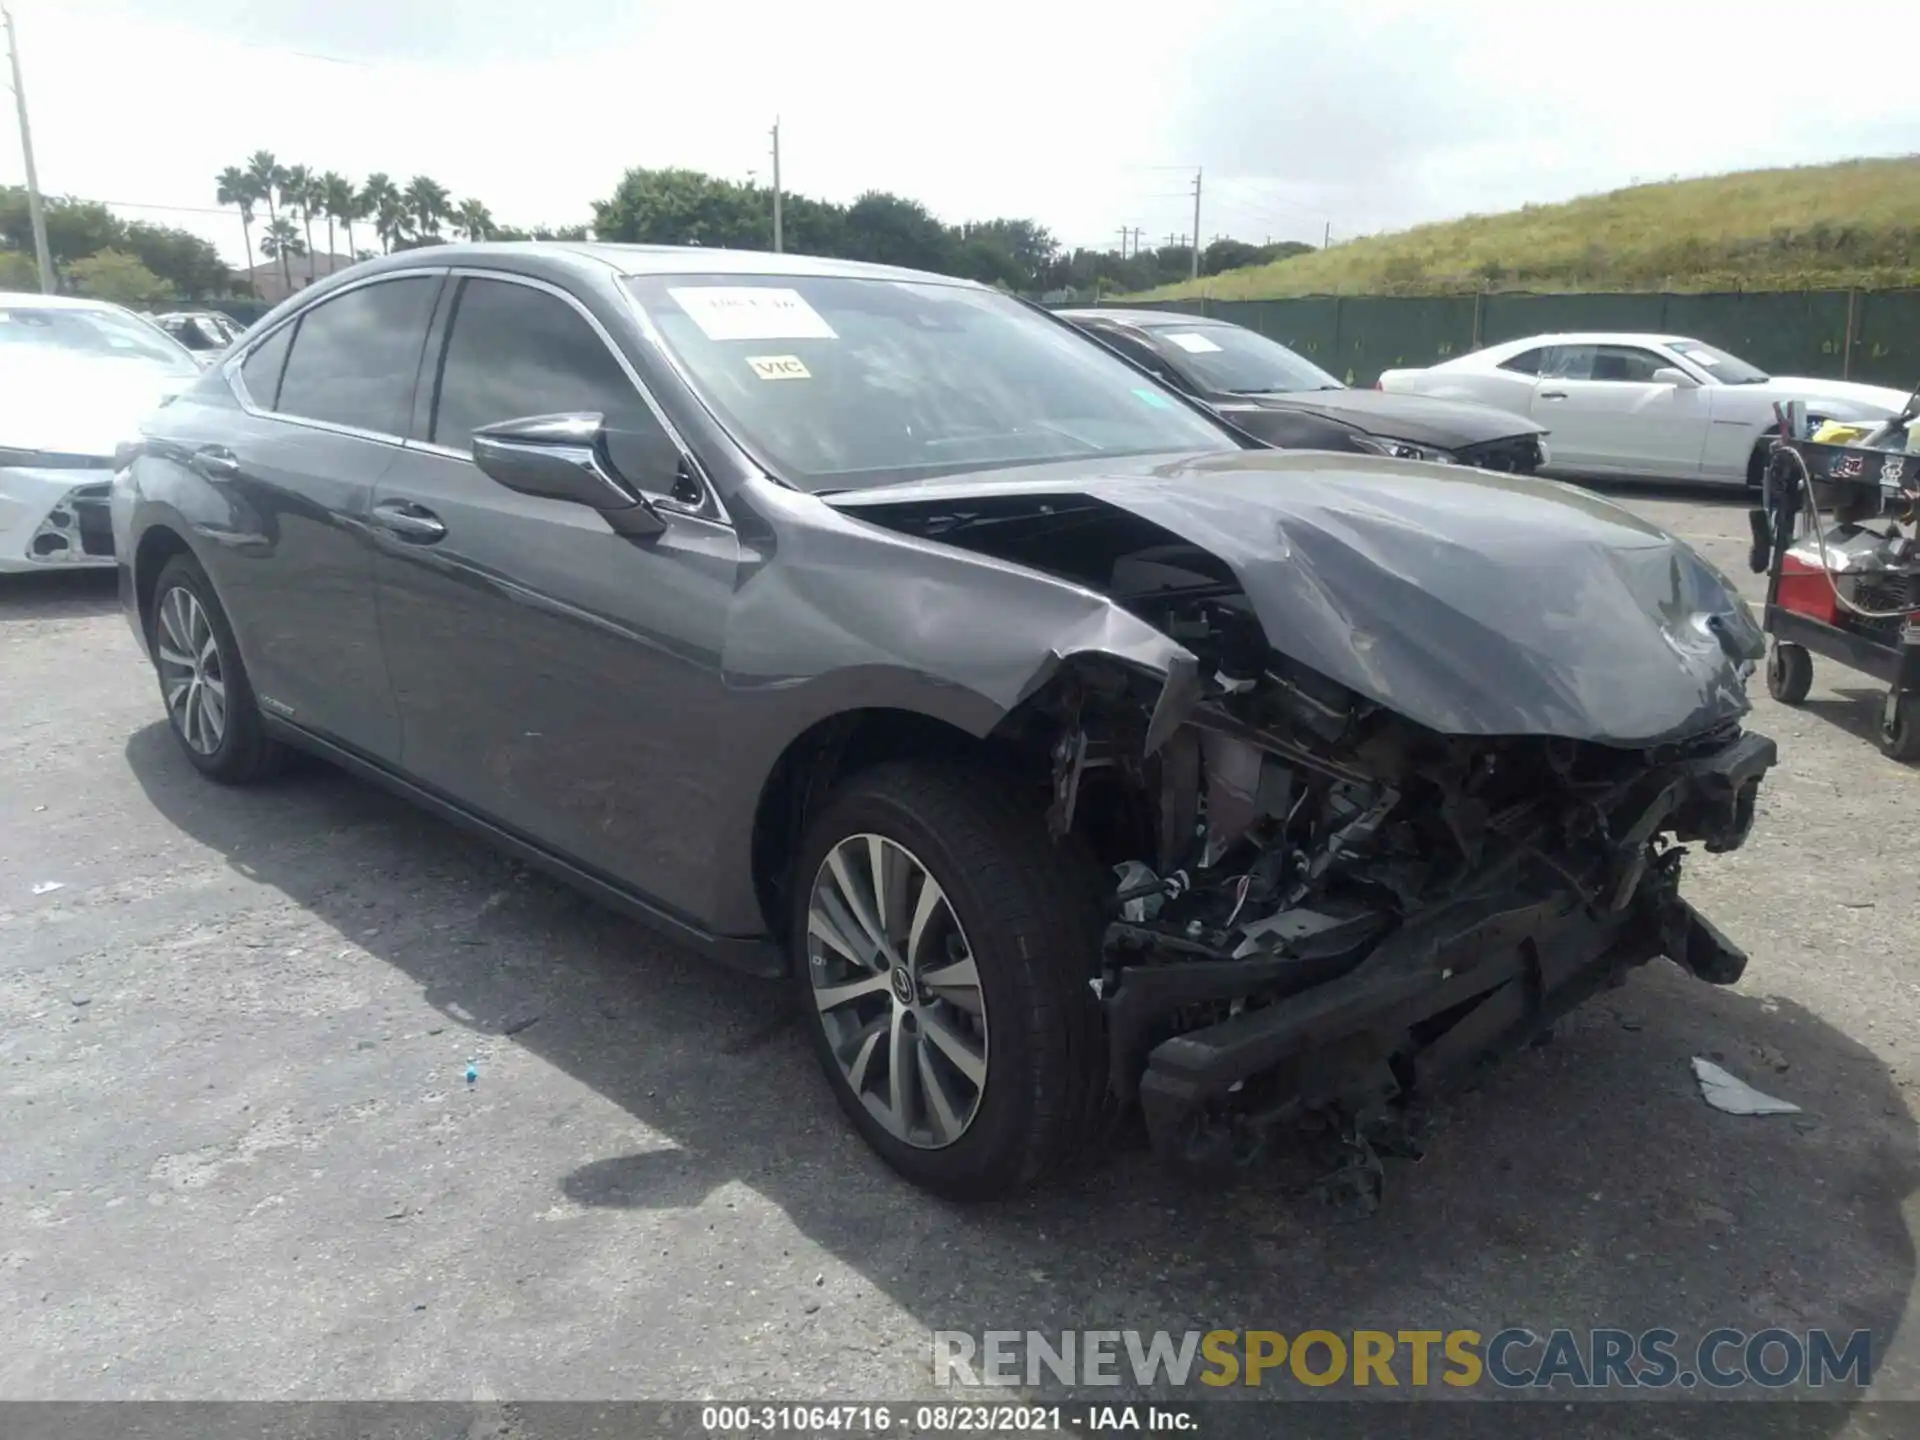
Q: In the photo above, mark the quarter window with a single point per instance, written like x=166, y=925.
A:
x=355, y=356
x=514, y=352
x=1527, y=362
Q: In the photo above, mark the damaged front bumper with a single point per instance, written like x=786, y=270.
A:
x=55, y=515
x=1349, y=1017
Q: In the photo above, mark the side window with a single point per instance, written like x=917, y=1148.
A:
x=355, y=356
x=1527, y=362
x=1568, y=362
x=513, y=351
x=260, y=372
x=1141, y=353
x=1625, y=363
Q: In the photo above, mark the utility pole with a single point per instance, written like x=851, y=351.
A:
x=37, y=216
x=1196, y=222
x=1124, y=232
x=1326, y=237
x=778, y=239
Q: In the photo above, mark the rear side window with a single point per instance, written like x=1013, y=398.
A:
x=355, y=357
x=261, y=372
x=514, y=351
x=1527, y=362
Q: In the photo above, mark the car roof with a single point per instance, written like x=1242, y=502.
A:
x=1599, y=337
x=652, y=260
x=34, y=300
x=1142, y=319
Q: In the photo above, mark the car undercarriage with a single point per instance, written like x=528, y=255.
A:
x=1323, y=914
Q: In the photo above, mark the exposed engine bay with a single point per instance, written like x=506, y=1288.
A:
x=1322, y=912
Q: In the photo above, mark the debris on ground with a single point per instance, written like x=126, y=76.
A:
x=473, y=1072
x=47, y=887
x=1723, y=1092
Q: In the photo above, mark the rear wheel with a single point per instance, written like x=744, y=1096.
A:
x=1900, y=726
x=1789, y=672
x=210, y=704
x=942, y=948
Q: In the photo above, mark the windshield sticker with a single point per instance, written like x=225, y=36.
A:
x=779, y=367
x=1153, y=398
x=751, y=312
x=1191, y=343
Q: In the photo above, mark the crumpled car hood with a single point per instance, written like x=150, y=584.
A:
x=1448, y=424
x=1472, y=603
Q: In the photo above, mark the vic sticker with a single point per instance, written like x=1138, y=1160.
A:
x=751, y=312
x=779, y=367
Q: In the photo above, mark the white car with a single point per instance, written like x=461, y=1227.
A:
x=76, y=378
x=1655, y=406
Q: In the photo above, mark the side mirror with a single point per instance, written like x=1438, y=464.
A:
x=1672, y=375
x=563, y=457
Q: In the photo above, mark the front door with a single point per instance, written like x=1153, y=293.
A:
x=1608, y=416
x=557, y=678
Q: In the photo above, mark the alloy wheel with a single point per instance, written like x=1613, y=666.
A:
x=898, y=991
x=192, y=678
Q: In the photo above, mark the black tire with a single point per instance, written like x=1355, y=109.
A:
x=1031, y=918
x=1900, y=729
x=1789, y=672
x=245, y=753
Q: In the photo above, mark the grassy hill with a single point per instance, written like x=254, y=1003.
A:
x=1809, y=227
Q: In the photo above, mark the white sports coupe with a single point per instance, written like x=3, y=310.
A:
x=76, y=378
x=1655, y=406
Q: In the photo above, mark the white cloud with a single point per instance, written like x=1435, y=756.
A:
x=1367, y=115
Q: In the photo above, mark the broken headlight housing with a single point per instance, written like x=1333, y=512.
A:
x=1404, y=449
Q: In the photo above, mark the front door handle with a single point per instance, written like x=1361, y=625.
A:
x=216, y=462
x=410, y=522
x=1553, y=394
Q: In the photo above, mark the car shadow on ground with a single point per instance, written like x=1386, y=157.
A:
x=58, y=595
x=1586, y=1183
x=1853, y=707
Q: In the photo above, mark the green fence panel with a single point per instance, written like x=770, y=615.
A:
x=1886, y=338
x=1310, y=326
x=1512, y=316
x=1788, y=333
x=1387, y=333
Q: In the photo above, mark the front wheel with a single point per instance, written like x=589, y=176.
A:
x=1789, y=672
x=1900, y=726
x=942, y=949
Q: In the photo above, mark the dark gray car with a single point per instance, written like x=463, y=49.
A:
x=880, y=630
x=1285, y=399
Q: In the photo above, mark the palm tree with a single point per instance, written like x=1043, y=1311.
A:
x=235, y=187
x=268, y=176
x=380, y=201
x=280, y=241
x=473, y=220
x=336, y=203
x=297, y=193
x=427, y=200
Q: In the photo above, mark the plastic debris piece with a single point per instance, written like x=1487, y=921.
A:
x=1723, y=1092
x=473, y=1072
x=47, y=887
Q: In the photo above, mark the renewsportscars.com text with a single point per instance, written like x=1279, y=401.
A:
x=1509, y=1359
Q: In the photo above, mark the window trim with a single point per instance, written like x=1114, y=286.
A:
x=432, y=369
x=236, y=383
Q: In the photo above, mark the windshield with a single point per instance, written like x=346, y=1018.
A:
x=1231, y=360
x=28, y=330
x=1727, y=369
x=840, y=383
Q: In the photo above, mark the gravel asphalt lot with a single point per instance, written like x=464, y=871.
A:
x=239, y=1158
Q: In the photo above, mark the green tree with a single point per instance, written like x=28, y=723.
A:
x=235, y=187
x=380, y=202
x=684, y=207
x=117, y=276
x=281, y=241
x=426, y=201
x=473, y=220
x=190, y=265
x=892, y=230
x=268, y=176
x=337, y=204
x=18, y=271
x=74, y=227
x=301, y=195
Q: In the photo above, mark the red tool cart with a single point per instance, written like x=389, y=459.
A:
x=1835, y=537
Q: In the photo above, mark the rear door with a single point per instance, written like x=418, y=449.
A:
x=551, y=675
x=327, y=401
x=1607, y=414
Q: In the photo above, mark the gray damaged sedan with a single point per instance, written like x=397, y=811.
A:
x=878, y=630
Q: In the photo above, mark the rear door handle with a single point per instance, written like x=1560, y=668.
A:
x=410, y=522
x=216, y=462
